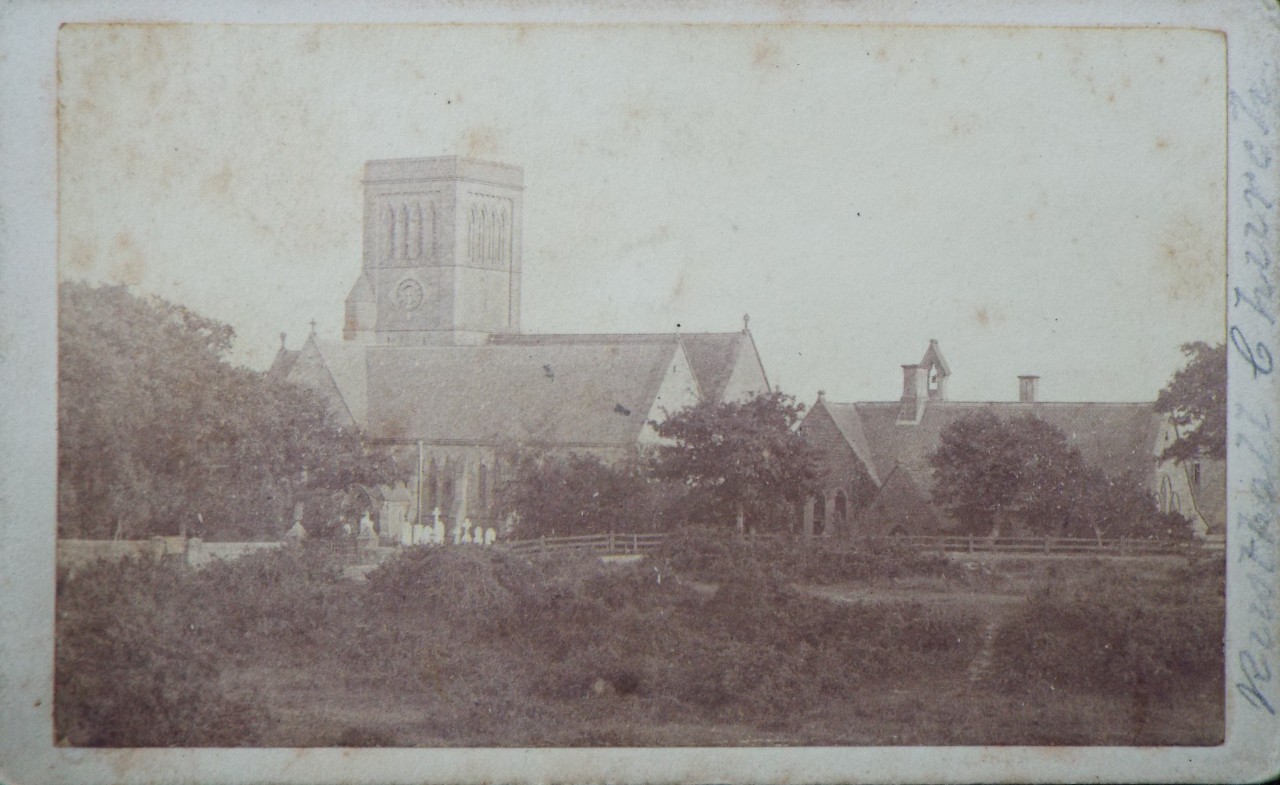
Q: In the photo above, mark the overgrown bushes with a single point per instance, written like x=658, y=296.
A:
x=137, y=662
x=715, y=555
x=1113, y=635
x=492, y=648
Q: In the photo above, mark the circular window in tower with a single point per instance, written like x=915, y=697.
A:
x=408, y=294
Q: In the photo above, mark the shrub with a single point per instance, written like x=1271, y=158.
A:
x=1113, y=639
x=131, y=669
x=715, y=555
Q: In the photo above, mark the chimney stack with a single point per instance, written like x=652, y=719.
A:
x=1027, y=388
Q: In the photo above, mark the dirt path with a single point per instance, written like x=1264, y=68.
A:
x=984, y=603
x=991, y=609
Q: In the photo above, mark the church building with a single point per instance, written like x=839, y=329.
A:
x=878, y=452
x=433, y=365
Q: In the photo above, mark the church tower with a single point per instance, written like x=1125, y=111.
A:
x=442, y=241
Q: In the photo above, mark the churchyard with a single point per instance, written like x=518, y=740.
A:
x=250, y=598
x=707, y=640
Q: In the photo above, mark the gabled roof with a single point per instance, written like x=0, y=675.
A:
x=362, y=291
x=345, y=362
x=933, y=356
x=845, y=416
x=1116, y=437
x=577, y=393
x=902, y=501
x=713, y=356
x=283, y=363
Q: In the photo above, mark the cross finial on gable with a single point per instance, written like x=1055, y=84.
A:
x=313, y=327
x=746, y=322
x=282, y=338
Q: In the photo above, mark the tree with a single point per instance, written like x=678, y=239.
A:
x=977, y=470
x=550, y=495
x=157, y=431
x=1051, y=475
x=1195, y=399
x=986, y=467
x=744, y=462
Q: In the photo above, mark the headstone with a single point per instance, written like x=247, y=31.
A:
x=419, y=534
x=296, y=533
x=490, y=534
x=366, y=528
x=437, y=531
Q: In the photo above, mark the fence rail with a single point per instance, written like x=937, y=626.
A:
x=611, y=544
x=621, y=543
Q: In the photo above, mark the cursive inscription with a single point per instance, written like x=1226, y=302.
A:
x=1252, y=321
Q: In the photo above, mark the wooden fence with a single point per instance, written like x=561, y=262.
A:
x=1121, y=546
x=621, y=543
x=611, y=544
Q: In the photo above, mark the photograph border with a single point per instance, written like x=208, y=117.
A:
x=28, y=459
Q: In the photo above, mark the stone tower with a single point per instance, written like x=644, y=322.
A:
x=441, y=252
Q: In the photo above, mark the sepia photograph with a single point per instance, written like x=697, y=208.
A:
x=538, y=385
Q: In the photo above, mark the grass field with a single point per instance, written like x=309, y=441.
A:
x=704, y=644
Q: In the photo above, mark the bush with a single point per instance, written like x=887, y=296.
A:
x=1112, y=638
x=485, y=641
x=716, y=554
x=553, y=495
x=131, y=669
x=471, y=587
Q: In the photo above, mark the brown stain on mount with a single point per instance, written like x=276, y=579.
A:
x=766, y=54
x=480, y=142
x=129, y=265
x=1189, y=261
x=80, y=256
x=217, y=185
x=986, y=316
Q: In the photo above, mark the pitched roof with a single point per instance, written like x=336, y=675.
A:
x=362, y=291
x=902, y=501
x=933, y=356
x=1116, y=437
x=587, y=392
x=283, y=363
x=845, y=416
x=346, y=364
x=713, y=356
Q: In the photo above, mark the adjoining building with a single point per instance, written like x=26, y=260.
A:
x=434, y=367
x=882, y=448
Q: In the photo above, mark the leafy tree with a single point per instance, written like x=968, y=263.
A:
x=978, y=470
x=156, y=430
x=986, y=467
x=550, y=495
x=1051, y=475
x=744, y=462
x=1195, y=399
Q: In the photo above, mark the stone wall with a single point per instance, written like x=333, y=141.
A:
x=74, y=554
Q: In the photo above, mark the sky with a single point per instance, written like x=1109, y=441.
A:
x=1041, y=201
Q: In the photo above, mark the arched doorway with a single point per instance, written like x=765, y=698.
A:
x=840, y=515
x=820, y=516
